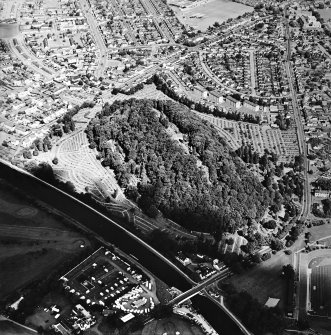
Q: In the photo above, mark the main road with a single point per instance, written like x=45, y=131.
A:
x=299, y=125
x=101, y=227
x=303, y=151
x=198, y=288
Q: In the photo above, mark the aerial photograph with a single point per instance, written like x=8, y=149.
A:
x=165, y=167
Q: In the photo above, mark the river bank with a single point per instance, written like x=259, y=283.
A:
x=113, y=234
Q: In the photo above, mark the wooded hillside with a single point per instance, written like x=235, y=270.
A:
x=168, y=159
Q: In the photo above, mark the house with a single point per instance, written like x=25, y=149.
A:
x=272, y=302
x=322, y=193
x=233, y=102
x=183, y=259
x=201, y=91
x=9, y=126
x=216, y=97
x=251, y=106
x=60, y=328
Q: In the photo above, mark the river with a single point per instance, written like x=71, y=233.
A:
x=212, y=313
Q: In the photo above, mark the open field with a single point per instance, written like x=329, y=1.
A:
x=264, y=280
x=321, y=289
x=32, y=243
x=325, y=14
x=211, y=12
x=16, y=210
x=319, y=232
x=8, y=30
x=10, y=328
x=27, y=266
x=170, y=326
x=322, y=325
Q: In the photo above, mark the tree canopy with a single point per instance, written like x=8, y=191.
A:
x=196, y=181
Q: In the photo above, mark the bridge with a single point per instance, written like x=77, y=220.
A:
x=199, y=287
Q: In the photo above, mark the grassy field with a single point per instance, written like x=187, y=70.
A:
x=322, y=325
x=212, y=11
x=170, y=326
x=32, y=243
x=9, y=328
x=8, y=30
x=264, y=281
x=319, y=232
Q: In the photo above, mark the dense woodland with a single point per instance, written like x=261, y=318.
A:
x=195, y=181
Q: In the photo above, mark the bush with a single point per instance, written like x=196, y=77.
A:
x=266, y=256
x=270, y=224
x=55, y=160
x=256, y=258
x=276, y=244
x=230, y=241
x=289, y=243
x=318, y=222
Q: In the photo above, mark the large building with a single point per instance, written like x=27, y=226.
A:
x=233, y=102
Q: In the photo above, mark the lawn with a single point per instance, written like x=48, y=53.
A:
x=33, y=242
x=10, y=328
x=19, y=270
x=212, y=11
x=319, y=232
x=170, y=326
x=264, y=281
x=14, y=209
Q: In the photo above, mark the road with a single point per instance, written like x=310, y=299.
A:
x=212, y=75
x=253, y=70
x=302, y=147
x=199, y=287
x=92, y=22
x=299, y=125
x=229, y=313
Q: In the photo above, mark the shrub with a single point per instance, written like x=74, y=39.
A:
x=270, y=224
x=266, y=256
x=230, y=241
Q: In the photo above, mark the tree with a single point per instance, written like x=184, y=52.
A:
x=256, y=258
x=288, y=272
x=266, y=256
x=270, y=224
x=276, y=244
x=230, y=241
x=248, y=248
x=217, y=197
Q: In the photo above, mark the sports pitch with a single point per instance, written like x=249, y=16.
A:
x=315, y=283
x=320, y=287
